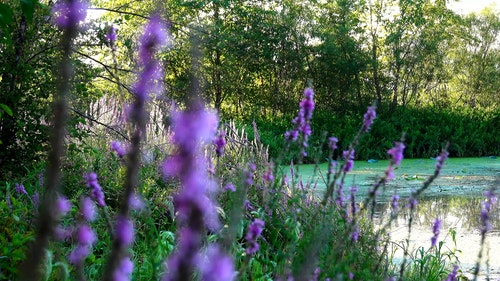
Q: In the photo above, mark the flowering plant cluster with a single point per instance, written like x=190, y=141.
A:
x=200, y=235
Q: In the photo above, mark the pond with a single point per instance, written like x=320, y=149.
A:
x=455, y=198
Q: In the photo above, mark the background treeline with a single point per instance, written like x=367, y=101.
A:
x=433, y=73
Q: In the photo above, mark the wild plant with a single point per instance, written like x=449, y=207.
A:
x=232, y=214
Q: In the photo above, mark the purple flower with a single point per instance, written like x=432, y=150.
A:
x=302, y=120
x=61, y=233
x=194, y=127
x=307, y=104
x=394, y=203
x=435, y=229
x=453, y=275
x=389, y=173
x=487, y=206
x=96, y=190
x=332, y=143
x=348, y=156
x=85, y=235
x=79, y=254
x=268, y=175
x=111, y=35
x=248, y=206
x=117, y=147
x=69, y=13
x=440, y=161
x=230, y=187
x=220, y=143
x=412, y=203
x=124, y=231
x=351, y=275
x=368, y=118
x=36, y=199
x=63, y=206
x=20, y=189
x=9, y=202
x=87, y=209
x=254, y=232
x=124, y=271
x=154, y=37
x=355, y=234
x=397, y=153
x=217, y=266
x=136, y=202
x=249, y=174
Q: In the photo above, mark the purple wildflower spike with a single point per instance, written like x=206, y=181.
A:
x=332, y=143
x=254, y=232
x=63, y=206
x=394, y=203
x=435, y=229
x=440, y=161
x=217, y=266
x=20, y=189
x=369, y=116
x=87, y=209
x=302, y=121
x=397, y=153
x=69, y=13
x=220, y=143
x=96, y=189
x=348, y=156
x=453, y=275
x=124, y=271
x=124, y=231
x=154, y=37
x=117, y=147
x=85, y=238
x=111, y=35
x=412, y=203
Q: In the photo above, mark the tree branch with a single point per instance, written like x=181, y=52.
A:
x=100, y=123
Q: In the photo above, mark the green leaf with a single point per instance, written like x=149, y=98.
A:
x=5, y=14
x=6, y=109
x=28, y=8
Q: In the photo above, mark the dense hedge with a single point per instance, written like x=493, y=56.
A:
x=470, y=133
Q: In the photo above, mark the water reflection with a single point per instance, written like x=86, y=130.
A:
x=457, y=213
